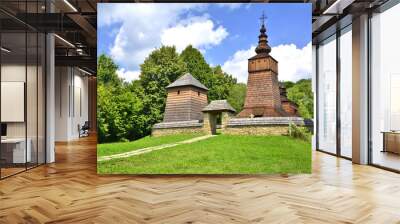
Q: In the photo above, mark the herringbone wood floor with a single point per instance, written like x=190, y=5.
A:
x=70, y=191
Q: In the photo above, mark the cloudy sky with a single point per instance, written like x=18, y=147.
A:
x=226, y=34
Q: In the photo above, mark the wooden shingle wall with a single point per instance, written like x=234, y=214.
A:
x=185, y=105
x=263, y=95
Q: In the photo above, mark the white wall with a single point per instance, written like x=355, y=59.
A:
x=346, y=76
x=314, y=89
x=50, y=95
x=33, y=126
x=17, y=73
x=62, y=82
x=71, y=87
x=359, y=89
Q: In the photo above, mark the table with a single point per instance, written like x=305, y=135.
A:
x=13, y=150
x=391, y=141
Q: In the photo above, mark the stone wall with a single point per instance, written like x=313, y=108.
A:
x=179, y=127
x=225, y=118
x=257, y=130
x=209, y=123
x=174, y=131
x=263, y=125
x=232, y=126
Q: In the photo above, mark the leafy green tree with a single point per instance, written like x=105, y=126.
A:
x=288, y=84
x=160, y=68
x=107, y=84
x=107, y=71
x=220, y=84
x=237, y=95
x=119, y=105
x=127, y=111
x=119, y=113
x=217, y=81
x=196, y=64
x=301, y=94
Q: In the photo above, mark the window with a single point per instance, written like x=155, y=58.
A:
x=327, y=95
x=179, y=92
x=22, y=75
x=198, y=93
x=346, y=92
x=385, y=89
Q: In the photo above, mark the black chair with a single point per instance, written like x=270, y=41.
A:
x=84, y=130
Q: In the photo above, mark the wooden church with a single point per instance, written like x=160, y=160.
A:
x=263, y=97
x=186, y=109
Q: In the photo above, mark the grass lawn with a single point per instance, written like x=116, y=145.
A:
x=222, y=154
x=148, y=141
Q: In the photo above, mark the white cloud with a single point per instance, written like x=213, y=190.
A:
x=200, y=34
x=128, y=75
x=151, y=14
x=237, y=64
x=293, y=63
x=231, y=6
x=144, y=27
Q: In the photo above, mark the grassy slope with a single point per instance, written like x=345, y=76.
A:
x=223, y=154
x=120, y=147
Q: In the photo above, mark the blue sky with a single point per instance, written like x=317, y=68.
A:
x=225, y=33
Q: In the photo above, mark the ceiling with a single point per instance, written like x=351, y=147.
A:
x=328, y=15
x=73, y=21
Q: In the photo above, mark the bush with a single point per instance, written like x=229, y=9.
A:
x=299, y=132
x=301, y=94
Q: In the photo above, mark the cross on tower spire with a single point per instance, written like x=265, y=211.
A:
x=263, y=46
x=262, y=18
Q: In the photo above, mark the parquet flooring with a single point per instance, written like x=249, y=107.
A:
x=70, y=191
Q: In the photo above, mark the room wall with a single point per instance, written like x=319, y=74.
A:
x=71, y=102
x=314, y=89
x=34, y=124
x=92, y=98
x=16, y=72
x=62, y=85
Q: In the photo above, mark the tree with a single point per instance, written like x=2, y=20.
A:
x=288, y=84
x=221, y=83
x=119, y=105
x=107, y=71
x=237, y=95
x=128, y=111
x=301, y=94
x=160, y=68
x=217, y=81
x=119, y=114
x=196, y=64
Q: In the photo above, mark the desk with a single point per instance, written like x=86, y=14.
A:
x=15, y=148
x=391, y=141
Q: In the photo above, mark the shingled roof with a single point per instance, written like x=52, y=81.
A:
x=187, y=80
x=219, y=105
